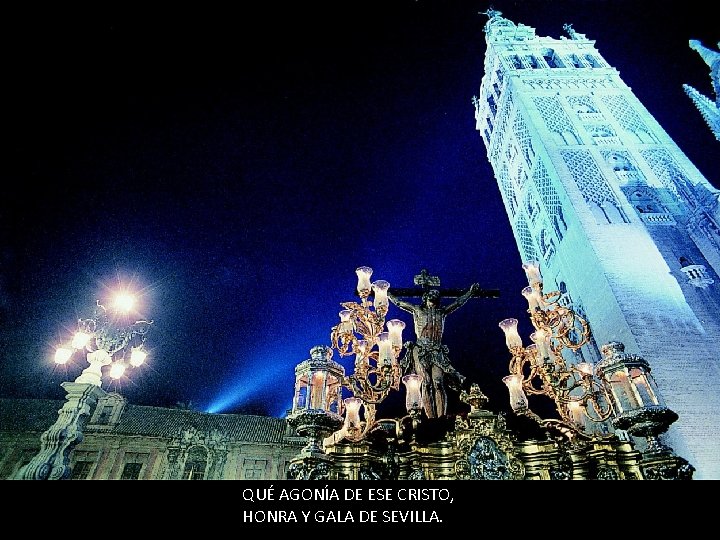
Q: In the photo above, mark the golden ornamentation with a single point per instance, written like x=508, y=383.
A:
x=542, y=368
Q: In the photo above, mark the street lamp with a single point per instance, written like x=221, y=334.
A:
x=108, y=338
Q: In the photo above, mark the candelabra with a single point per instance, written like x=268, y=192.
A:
x=108, y=338
x=581, y=397
x=361, y=332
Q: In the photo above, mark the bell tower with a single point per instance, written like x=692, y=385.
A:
x=617, y=216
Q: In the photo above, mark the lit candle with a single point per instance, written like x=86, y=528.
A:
x=542, y=340
x=512, y=338
x=585, y=368
x=395, y=328
x=532, y=271
x=518, y=399
x=576, y=411
x=380, y=288
x=535, y=357
x=531, y=297
x=363, y=274
x=385, y=355
x=360, y=350
x=346, y=325
x=317, y=389
x=352, y=412
x=412, y=384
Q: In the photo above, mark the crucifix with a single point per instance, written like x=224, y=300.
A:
x=429, y=357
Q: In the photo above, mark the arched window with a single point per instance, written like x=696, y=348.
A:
x=552, y=59
x=592, y=61
x=575, y=61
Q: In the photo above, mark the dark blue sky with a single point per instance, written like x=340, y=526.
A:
x=238, y=167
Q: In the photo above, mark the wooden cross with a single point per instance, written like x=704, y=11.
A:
x=425, y=281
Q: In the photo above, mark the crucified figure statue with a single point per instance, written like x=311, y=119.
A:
x=428, y=355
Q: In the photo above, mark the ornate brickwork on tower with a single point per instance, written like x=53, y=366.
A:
x=613, y=210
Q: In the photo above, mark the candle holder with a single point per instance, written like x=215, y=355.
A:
x=581, y=397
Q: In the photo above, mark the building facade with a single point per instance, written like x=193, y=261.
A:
x=133, y=442
x=617, y=216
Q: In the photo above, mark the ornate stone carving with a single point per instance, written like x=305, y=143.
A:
x=309, y=470
x=607, y=473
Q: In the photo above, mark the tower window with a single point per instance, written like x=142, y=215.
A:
x=492, y=104
x=592, y=61
x=532, y=61
x=552, y=59
x=254, y=469
x=516, y=62
x=575, y=61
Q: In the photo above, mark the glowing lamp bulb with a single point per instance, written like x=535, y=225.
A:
x=124, y=302
x=62, y=355
x=80, y=340
x=117, y=370
x=137, y=357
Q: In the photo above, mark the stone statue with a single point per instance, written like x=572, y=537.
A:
x=428, y=355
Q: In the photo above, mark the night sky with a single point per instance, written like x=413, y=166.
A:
x=236, y=167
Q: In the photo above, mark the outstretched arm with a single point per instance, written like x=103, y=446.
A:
x=462, y=299
x=405, y=306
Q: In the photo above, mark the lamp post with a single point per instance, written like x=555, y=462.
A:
x=108, y=338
